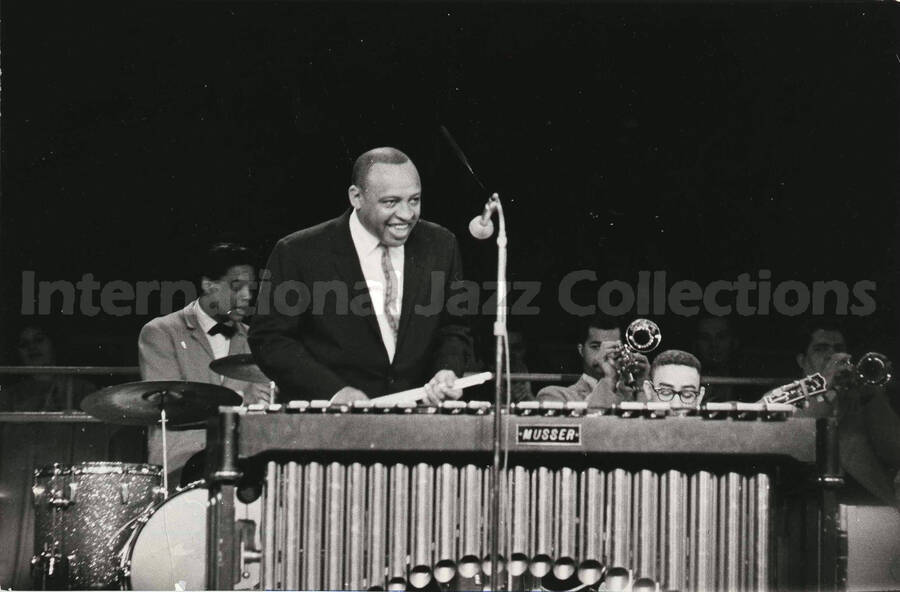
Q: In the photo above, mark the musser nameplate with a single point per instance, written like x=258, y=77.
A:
x=549, y=434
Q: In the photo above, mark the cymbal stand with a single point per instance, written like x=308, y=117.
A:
x=165, y=449
x=50, y=569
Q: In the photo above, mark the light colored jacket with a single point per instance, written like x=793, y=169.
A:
x=585, y=391
x=174, y=347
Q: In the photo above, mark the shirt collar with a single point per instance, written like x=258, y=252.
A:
x=364, y=241
x=592, y=382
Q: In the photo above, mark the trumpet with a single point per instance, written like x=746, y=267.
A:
x=872, y=369
x=642, y=336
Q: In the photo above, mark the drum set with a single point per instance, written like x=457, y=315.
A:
x=111, y=525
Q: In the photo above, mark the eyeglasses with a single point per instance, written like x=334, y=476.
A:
x=688, y=394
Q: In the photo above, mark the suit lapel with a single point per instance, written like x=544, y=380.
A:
x=199, y=338
x=346, y=261
x=414, y=276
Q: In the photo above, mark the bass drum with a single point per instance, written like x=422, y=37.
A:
x=167, y=550
x=82, y=514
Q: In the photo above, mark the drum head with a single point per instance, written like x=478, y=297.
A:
x=170, y=548
x=116, y=468
x=52, y=470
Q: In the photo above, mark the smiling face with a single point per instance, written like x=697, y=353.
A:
x=389, y=202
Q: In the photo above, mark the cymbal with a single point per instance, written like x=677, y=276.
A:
x=139, y=403
x=239, y=367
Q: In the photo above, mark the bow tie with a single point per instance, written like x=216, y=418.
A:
x=227, y=331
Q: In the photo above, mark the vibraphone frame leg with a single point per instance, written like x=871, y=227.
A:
x=222, y=475
x=830, y=479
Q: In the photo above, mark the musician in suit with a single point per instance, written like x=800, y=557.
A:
x=868, y=427
x=599, y=349
x=356, y=307
x=181, y=345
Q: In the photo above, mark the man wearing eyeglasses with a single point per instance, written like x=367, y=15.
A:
x=674, y=373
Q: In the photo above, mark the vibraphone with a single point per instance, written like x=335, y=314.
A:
x=723, y=498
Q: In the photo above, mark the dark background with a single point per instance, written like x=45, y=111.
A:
x=705, y=140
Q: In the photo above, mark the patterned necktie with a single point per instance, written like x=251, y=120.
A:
x=390, y=289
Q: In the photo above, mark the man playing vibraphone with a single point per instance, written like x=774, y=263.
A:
x=356, y=307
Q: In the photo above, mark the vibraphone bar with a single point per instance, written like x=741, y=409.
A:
x=398, y=498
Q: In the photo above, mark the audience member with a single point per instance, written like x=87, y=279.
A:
x=42, y=392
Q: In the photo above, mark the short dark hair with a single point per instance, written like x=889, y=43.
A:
x=50, y=332
x=804, y=332
x=221, y=257
x=675, y=357
x=363, y=164
x=601, y=321
x=728, y=320
x=35, y=326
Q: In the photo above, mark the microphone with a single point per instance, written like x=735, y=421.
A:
x=482, y=227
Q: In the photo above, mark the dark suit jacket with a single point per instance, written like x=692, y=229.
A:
x=314, y=331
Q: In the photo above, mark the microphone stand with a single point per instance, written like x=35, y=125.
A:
x=501, y=340
x=500, y=334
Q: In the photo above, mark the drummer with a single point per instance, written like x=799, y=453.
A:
x=181, y=345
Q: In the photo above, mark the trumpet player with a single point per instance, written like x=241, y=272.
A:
x=868, y=427
x=600, y=348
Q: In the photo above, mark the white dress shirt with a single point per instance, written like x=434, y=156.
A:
x=369, y=253
x=219, y=343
